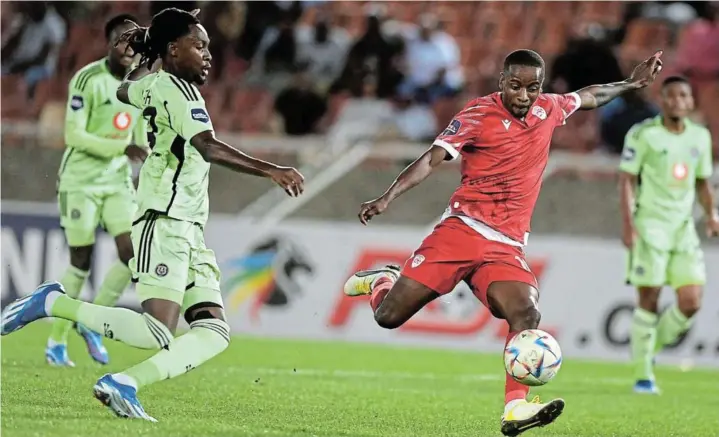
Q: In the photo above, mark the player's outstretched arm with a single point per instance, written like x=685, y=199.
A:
x=408, y=178
x=217, y=152
x=643, y=75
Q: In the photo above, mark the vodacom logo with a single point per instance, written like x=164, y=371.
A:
x=122, y=120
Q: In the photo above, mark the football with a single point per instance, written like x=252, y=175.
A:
x=533, y=357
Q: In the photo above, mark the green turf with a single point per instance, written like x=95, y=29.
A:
x=288, y=388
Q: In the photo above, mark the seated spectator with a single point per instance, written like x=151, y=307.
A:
x=324, y=49
x=432, y=60
x=33, y=45
x=618, y=119
x=300, y=106
x=697, y=56
x=224, y=22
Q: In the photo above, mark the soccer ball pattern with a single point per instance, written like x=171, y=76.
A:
x=533, y=357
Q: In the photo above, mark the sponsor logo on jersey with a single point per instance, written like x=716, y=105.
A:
x=680, y=171
x=540, y=113
x=199, y=114
x=122, y=120
x=628, y=154
x=506, y=124
x=453, y=127
x=76, y=102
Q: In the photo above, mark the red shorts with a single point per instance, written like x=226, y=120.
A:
x=454, y=252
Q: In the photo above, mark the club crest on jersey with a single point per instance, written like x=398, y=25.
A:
x=199, y=114
x=539, y=112
x=453, y=127
x=694, y=152
x=122, y=120
x=77, y=102
x=680, y=171
x=417, y=260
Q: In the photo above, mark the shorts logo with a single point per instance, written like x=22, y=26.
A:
x=639, y=270
x=75, y=214
x=199, y=114
x=161, y=270
x=539, y=112
x=453, y=127
x=76, y=103
x=417, y=260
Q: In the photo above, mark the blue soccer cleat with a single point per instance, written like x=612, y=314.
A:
x=646, y=386
x=93, y=340
x=120, y=398
x=57, y=356
x=29, y=308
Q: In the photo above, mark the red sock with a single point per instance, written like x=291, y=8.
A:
x=380, y=290
x=512, y=389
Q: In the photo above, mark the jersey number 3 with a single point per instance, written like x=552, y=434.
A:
x=149, y=114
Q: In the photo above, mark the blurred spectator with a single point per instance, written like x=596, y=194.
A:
x=261, y=16
x=697, y=55
x=429, y=57
x=618, y=119
x=324, y=49
x=156, y=6
x=32, y=45
x=372, y=56
x=300, y=106
x=224, y=22
x=277, y=51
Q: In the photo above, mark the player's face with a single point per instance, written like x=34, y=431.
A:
x=520, y=88
x=122, y=54
x=677, y=100
x=194, y=55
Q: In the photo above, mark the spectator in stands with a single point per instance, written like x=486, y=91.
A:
x=300, y=106
x=618, y=119
x=430, y=56
x=261, y=16
x=224, y=22
x=697, y=55
x=374, y=56
x=323, y=48
x=33, y=45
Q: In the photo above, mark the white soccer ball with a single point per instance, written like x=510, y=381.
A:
x=533, y=357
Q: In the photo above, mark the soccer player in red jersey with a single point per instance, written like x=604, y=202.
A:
x=503, y=139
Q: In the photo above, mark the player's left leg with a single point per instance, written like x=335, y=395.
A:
x=508, y=288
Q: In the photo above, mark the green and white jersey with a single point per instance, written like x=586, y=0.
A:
x=174, y=178
x=98, y=128
x=668, y=165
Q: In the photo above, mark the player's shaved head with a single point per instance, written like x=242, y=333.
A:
x=120, y=56
x=521, y=81
x=118, y=21
x=523, y=58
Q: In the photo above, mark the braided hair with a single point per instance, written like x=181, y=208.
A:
x=167, y=26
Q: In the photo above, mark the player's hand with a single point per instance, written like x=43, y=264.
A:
x=136, y=153
x=289, y=179
x=629, y=236
x=371, y=209
x=645, y=73
x=713, y=226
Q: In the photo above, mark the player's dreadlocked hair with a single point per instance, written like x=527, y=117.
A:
x=524, y=57
x=167, y=26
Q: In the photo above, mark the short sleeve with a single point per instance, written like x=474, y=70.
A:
x=633, y=152
x=188, y=114
x=79, y=100
x=568, y=105
x=705, y=167
x=135, y=93
x=455, y=136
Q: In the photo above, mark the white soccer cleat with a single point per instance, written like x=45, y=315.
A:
x=527, y=415
x=362, y=282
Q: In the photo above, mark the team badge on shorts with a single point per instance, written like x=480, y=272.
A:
x=161, y=270
x=417, y=260
x=75, y=214
x=639, y=270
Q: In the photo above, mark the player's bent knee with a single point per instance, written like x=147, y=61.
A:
x=524, y=316
x=81, y=257
x=649, y=299
x=387, y=318
x=689, y=302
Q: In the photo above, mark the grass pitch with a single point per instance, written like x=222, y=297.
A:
x=262, y=387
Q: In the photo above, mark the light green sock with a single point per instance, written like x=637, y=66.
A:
x=73, y=280
x=114, y=284
x=672, y=324
x=643, y=338
x=207, y=338
x=138, y=330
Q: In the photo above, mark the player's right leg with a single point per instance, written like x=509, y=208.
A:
x=647, y=272
x=79, y=218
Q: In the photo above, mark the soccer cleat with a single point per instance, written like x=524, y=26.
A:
x=29, y=308
x=120, y=398
x=93, y=340
x=647, y=387
x=527, y=415
x=57, y=356
x=362, y=282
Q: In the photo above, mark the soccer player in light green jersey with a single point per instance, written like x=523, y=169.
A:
x=94, y=183
x=665, y=164
x=176, y=273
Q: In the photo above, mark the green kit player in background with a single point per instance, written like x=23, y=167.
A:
x=95, y=183
x=666, y=160
x=176, y=273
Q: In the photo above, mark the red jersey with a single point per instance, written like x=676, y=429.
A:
x=503, y=159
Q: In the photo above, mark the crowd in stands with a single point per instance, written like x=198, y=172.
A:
x=389, y=69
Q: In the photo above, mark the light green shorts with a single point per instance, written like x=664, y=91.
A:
x=652, y=267
x=172, y=262
x=81, y=212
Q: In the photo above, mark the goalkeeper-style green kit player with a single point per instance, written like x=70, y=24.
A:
x=95, y=183
x=665, y=165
